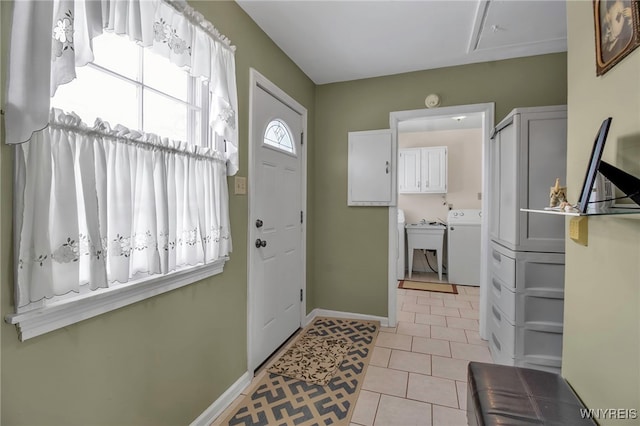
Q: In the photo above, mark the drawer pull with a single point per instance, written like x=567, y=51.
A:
x=496, y=313
x=496, y=342
x=497, y=256
x=496, y=285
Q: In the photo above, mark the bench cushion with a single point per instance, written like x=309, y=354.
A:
x=500, y=395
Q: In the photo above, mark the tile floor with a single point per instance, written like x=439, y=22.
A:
x=418, y=371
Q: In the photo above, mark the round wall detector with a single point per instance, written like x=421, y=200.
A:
x=432, y=100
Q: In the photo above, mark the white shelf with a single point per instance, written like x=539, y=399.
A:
x=556, y=212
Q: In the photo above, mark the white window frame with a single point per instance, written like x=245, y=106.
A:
x=70, y=311
x=197, y=101
x=65, y=311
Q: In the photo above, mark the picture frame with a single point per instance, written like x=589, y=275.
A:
x=617, y=31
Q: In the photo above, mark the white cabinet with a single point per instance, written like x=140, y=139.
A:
x=528, y=153
x=526, y=260
x=409, y=170
x=370, y=178
x=434, y=169
x=422, y=170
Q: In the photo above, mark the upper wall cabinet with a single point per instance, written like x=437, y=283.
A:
x=371, y=179
x=422, y=170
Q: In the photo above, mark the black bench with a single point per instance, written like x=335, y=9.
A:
x=504, y=395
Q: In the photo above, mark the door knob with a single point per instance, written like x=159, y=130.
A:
x=260, y=243
x=259, y=223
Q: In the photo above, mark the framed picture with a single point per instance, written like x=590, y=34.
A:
x=617, y=25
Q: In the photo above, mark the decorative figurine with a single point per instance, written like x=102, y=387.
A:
x=557, y=194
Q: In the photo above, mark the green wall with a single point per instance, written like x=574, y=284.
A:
x=601, y=348
x=351, y=243
x=162, y=361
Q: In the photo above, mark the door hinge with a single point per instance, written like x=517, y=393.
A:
x=302, y=138
x=301, y=295
x=301, y=216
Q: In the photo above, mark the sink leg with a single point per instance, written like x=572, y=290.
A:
x=410, y=262
x=439, y=260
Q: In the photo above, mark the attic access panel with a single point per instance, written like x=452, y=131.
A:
x=513, y=24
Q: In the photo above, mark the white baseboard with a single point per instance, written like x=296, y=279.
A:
x=384, y=321
x=220, y=404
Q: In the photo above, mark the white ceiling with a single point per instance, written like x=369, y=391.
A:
x=342, y=40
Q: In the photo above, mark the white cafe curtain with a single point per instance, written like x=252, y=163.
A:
x=49, y=39
x=99, y=206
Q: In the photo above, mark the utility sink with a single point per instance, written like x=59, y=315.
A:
x=432, y=225
x=425, y=236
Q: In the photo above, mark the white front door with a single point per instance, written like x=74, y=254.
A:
x=276, y=229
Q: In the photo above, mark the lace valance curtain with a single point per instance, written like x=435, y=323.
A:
x=49, y=39
x=102, y=206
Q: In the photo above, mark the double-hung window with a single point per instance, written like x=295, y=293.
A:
x=121, y=160
x=140, y=90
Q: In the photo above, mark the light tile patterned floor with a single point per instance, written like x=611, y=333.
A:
x=418, y=372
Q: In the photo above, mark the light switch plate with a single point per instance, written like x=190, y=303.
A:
x=240, y=185
x=579, y=230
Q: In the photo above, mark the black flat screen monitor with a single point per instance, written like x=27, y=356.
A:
x=594, y=164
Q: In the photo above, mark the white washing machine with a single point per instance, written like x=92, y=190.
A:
x=401, y=248
x=463, y=236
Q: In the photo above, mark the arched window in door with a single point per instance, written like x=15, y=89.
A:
x=278, y=136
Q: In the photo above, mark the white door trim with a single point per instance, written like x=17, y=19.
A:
x=487, y=110
x=258, y=80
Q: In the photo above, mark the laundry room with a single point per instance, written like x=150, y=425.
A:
x=440, y=169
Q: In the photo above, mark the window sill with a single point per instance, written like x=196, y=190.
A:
x=61, y=314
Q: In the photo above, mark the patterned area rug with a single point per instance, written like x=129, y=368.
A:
x=313, y=359
x=426, y=286
x=282, y=400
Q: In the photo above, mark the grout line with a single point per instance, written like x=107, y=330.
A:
x=433, y=403
x=375, y=415
x=406, y=390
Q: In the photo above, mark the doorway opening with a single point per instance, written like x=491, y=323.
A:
x=480, y=116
